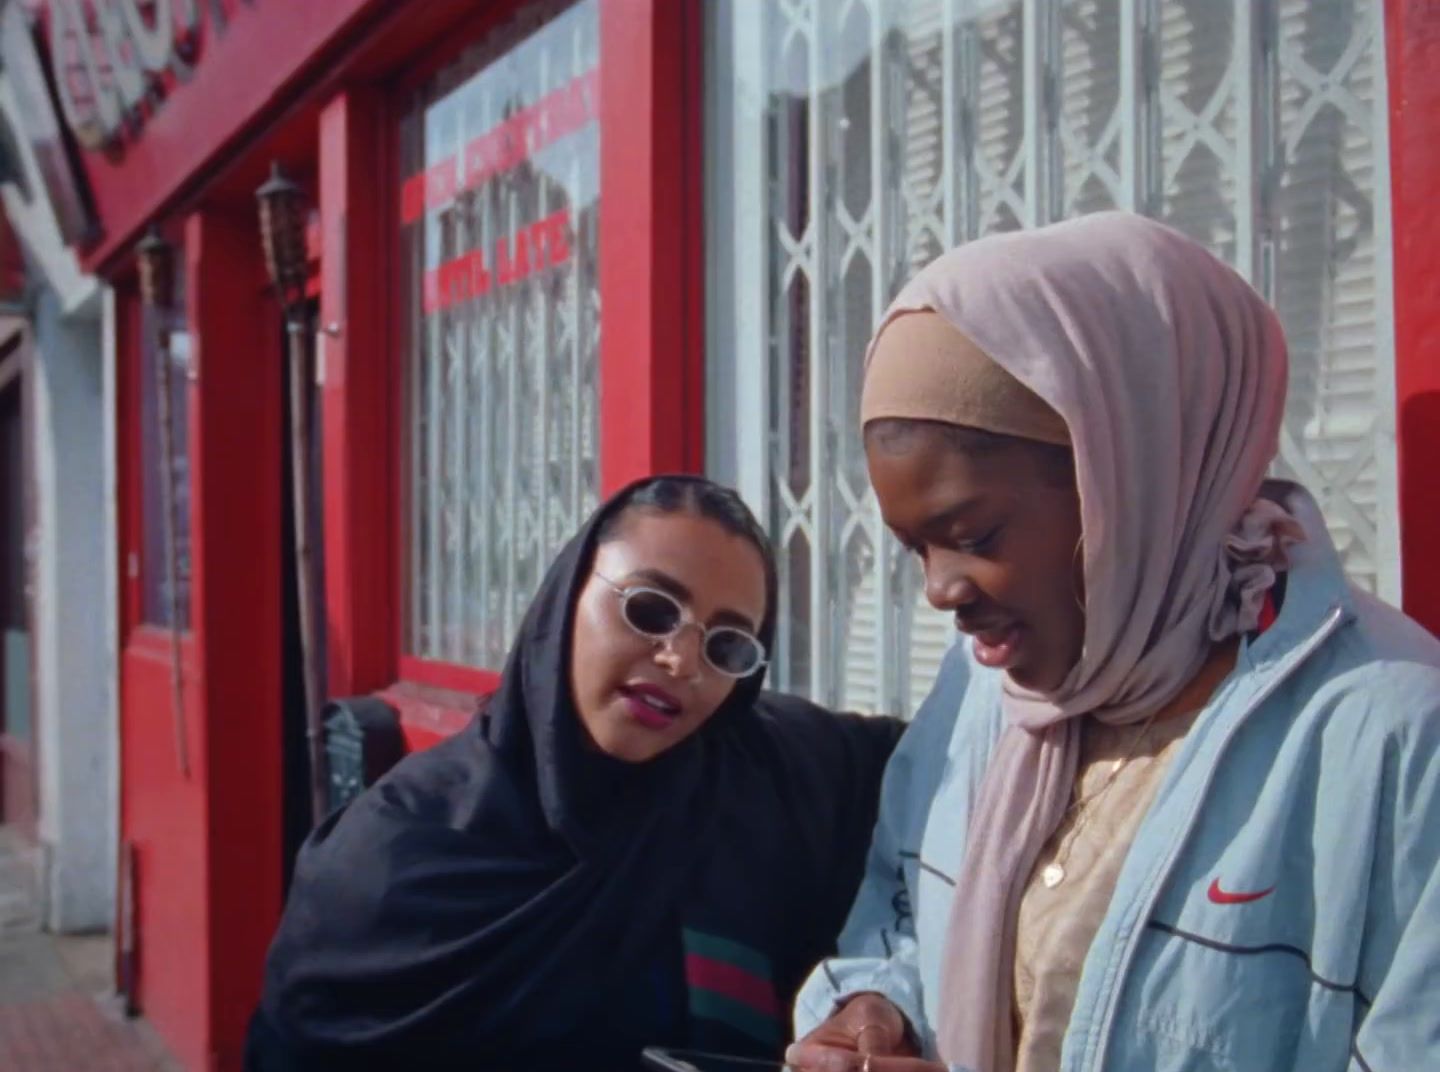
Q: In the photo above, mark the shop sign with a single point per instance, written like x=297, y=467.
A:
x=116, y=60
x=29, y=117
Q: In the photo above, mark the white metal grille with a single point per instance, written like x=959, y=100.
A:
x=866, y=136
x=502, y=383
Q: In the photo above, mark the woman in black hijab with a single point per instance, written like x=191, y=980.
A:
x=631, y=844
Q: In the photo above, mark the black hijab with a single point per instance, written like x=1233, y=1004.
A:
x=513, y=899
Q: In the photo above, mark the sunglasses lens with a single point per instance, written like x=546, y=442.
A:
x=652, y=613
x=732, y=652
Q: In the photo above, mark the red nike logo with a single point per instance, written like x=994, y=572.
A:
x=1220, y=896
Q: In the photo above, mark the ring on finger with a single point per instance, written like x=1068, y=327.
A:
x=872, y=1026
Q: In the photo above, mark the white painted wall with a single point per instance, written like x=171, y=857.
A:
x=76, y=595
x=75, y=731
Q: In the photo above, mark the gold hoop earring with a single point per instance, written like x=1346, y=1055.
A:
x=1077, y=574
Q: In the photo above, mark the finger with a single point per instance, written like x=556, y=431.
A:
x=829, y=1034
x=874, y=1037
x=811, y=1057
x=904, y=1064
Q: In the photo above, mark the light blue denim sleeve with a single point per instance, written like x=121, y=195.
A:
x=1402, y=955
x=877, y=950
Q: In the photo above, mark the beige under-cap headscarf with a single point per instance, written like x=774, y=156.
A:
x=922, y=368
x=1169, y=373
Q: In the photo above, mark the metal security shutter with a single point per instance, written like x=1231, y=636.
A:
x=867, y=136
x=1267, y=154
x=1330, y=280
x=1088, y=121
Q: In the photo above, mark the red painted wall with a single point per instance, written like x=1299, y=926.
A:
x=1413, y=57
x=163, y=815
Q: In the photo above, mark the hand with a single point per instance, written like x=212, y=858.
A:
x=844, y=1061
x=867, y=1028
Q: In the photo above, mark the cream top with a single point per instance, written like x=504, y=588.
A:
x=1057, y=923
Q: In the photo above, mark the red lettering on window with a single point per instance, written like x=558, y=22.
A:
x=548, y=240
x=412, y=198
x=448, y=280
x=560, y=113
x=522, y=255
x=477, y=162
x=531, y=249
x=479, y=274
x=515, y=141
x=440, y=183
x=431, y=300
x=539, y=244
x=504, y=273
x=558, y=226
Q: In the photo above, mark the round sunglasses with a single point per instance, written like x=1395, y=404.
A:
x=657, y=615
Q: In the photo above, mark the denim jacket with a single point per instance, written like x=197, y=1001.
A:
x=1280, y=905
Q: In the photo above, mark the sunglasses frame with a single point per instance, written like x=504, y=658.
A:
x=685, y=619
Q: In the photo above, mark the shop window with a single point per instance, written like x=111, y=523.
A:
x=499, y=240
x=164, y=336
x=861, y=139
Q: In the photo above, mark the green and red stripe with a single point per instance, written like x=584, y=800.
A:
x=733, y=984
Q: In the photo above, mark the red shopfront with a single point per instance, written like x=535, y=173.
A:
x=587, y=175
x=583, y=190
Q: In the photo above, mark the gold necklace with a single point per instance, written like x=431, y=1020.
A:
x=1054, y=872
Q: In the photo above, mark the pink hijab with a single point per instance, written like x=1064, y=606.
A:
x=1170, y=373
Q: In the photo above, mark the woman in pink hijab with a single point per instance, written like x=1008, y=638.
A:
x=1175, y=806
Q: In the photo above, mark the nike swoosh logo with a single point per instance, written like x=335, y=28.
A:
x=1220, y=896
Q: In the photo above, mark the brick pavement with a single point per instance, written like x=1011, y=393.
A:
x=57, y=1011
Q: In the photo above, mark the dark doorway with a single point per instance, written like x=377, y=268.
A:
x=18, y=800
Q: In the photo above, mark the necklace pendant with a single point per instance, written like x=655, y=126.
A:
x=1052, y=876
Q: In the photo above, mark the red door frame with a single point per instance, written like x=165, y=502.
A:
x=651, y=347
x=208, y=846
x=652, y=268
x=161, y=813
x=359, y=379
x=1413, y=58
x=237, y=450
